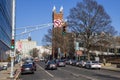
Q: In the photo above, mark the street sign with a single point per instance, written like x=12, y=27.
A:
x=76, y=46
x=12, y=54
x=19, y=46
x=57, y=23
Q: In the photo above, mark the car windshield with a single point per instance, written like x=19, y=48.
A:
x=61, y=61
x=25, y=66
x=51, y=62
x=95, y=62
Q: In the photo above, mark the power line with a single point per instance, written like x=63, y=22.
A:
x=37, y=27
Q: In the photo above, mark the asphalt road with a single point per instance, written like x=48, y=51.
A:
x=70, y=73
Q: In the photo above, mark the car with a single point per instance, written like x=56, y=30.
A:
x=36, y=60
x=74, y=62
x=82, y=64
x=32, y=63
x=41, y=59
x=77, y=63
x=69, y=62
x=27, y=68
x=50, y=64
x=93, y=65
x=61, y=63
x=4, y=67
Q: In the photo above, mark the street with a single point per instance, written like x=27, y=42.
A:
x=70, y=73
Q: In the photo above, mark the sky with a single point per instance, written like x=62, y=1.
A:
x=38, y=12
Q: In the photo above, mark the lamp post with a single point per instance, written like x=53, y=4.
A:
x=12, y=53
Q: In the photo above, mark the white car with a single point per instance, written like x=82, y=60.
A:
x=93, y=65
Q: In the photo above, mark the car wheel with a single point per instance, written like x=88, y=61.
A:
x=89, y=67
x=33, y=72
x=21, y=73
x=99, y=68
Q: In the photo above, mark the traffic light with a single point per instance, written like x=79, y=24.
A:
x=63, y=30
x=12, y=44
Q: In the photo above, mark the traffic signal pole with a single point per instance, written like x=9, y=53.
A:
x=12, y=52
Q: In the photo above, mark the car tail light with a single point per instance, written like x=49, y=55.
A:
x=22, y=69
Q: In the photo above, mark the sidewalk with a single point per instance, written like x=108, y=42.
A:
x=111, y=67
x=5, y=74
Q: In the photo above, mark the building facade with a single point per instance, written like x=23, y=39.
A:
x=43, y=50
x=25, y=46
x=5, y=28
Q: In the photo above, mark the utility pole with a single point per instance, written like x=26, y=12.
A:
x=12, y=53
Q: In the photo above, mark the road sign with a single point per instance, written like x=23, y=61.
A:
x=12, y=54
x=76, y=46
x=57, y=23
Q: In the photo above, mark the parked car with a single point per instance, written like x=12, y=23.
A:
x=74, y=62
x=82, y=63
x=61, y=63
x=67, y=61
x=50, y=64
x=36, y=60
x=27, y=68
x=4, y=67
x=93, y=65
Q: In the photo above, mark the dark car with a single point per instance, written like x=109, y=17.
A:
x=27, y=68
x=32, y=63
x=51, y=65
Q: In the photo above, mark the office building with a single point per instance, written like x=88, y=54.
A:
x=24, y=46
x=5, y=28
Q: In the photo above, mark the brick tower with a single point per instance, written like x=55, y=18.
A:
x=57, y=37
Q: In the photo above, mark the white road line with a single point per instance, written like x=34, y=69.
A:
x=95, y=72
x=45, y=71
x=78, y=75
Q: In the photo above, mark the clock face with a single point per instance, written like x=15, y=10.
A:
x=57, y=23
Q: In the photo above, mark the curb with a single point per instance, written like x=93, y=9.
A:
x=111, y=69
x=17, y=74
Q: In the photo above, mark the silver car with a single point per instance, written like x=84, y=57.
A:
x=51, y=65
x=61, y=63
x=82, y=64
x=93, y=65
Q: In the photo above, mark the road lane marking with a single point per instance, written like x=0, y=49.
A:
x=45, y=71
x=94, y=72
x=78, y=75
x=69, y=72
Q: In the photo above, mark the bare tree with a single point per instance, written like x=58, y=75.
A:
x=89, y=17
x=55, y=39
x=34, y=52
x=48, y=38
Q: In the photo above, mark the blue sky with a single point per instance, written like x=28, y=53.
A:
x=37, y=12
